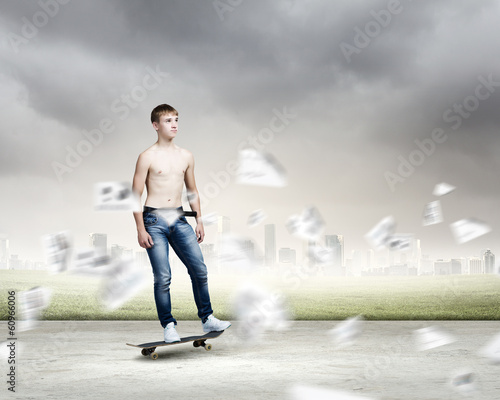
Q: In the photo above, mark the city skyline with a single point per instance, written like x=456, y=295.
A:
x=223, y=224
x=354, y=264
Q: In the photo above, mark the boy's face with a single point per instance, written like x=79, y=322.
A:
x=167, y=125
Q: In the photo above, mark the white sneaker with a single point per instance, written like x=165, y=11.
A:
x=213, y=324
x=170, y=334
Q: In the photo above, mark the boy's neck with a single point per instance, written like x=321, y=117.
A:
x=165, y=143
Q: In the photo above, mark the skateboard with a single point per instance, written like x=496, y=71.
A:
x=148, y=349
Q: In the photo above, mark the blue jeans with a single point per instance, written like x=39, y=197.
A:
x=180, y=235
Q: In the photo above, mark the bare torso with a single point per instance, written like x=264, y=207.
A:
x=165, y=178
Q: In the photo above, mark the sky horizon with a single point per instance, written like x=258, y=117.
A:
x=365, y=105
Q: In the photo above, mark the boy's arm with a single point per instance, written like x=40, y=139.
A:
x=141, y=172
x=194, y=197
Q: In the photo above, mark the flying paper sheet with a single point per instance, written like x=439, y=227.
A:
x=258, y=168
x=466, y=230
x=123, y=281
x=209, y=219
x=32, y=303
x=57, y=248
x=400, y=242
x=115, y=196
x=346, y=332
x=170, y=216
x=432, y=213
x=380, y=234
x=256, y=217
x=464, y=382
x=237, y=253
x=432, y=337
x=320, y=255
x=257, y=310
x=492, y=350
x=309, y=225
x=443, y=188
x=91, y=261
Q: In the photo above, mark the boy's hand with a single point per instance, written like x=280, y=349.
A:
x=145, y=240
x=200, y=232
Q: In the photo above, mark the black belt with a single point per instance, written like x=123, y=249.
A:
x=185, y=213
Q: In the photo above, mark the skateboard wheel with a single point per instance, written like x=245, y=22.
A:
x=145, y=352
x=154, y=356
x=196, y=344
x=208, y=347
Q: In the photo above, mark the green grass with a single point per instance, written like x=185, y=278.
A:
x=474, y=297
x=400, y=298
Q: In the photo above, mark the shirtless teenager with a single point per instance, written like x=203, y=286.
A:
x=164, y=168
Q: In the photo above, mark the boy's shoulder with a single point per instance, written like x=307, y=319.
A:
x=188, y=156
x=147, y=153
x=185, y=152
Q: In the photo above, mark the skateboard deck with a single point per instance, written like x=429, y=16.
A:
x=148, y=349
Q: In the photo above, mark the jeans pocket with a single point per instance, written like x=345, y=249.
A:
x=149, y=219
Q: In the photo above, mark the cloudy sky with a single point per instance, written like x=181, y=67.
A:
x=362, y=83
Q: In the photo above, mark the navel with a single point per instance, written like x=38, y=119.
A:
x=159, y=171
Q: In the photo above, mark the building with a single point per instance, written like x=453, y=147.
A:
x=223, y=229
x=426, y=265
x=287, y=256
x=475, y=265
x=142, y=259
x=359, y=262
x=248, y=247
x=15, y=262
x=442, y=267
x=39, y=266
x=457, y=266
x=210, y=256
x=346, y=269
x=99, y=242
x=4, y=252
x=128, y=253
x=270, y=245
x=397, y=270
x=416, y=254
x=370, y=256
x=118, y=251
x=336, y=244
x=223, y=224
x=489, y=262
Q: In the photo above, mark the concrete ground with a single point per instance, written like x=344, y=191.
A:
x=89, y=359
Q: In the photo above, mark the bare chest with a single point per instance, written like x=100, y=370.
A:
x=168, y=168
